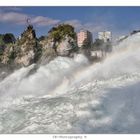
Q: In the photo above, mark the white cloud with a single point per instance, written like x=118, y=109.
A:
x=20, y=19
x=95, y=27
x=43, y=21
x=13, y=17
x=91, y=26
x=76, y=23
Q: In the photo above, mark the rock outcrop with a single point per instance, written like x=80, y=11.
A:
x=6, y=48
x=61, y=41
x=27, y=48
x=66, y=46
x=8, y=55
x=48, y=51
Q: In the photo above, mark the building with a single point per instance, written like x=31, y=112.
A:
x=105, y=36
x=98, y=54
x=83, y=36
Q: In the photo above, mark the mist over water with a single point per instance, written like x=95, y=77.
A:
x=70, y=95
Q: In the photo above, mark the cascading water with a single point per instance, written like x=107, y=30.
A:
x=72, y=96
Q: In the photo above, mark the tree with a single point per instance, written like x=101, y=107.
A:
x=8, y=38
x=86, y=44
x=97, y=44
x=61, y=31
x=41, y=38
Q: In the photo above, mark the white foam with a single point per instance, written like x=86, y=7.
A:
x=70, y=96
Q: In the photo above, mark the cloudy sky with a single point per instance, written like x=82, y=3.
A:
x=120, y=20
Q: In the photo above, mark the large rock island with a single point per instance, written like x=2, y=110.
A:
x=28, y=49
x=61, y=40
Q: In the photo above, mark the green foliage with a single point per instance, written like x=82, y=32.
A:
x=41, y=38
x=12, y=55
x=74, y=48
x=38, y=51
x=86, y=44
x=61, y=31
x=2, y=48
x=97, y=44
x=108, y=47
x=1, y=40
x=8, y=38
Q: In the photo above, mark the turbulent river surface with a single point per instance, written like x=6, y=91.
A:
x=72, y=96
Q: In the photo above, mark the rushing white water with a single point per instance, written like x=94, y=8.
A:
x=72, y=96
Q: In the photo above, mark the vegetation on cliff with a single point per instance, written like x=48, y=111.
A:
x=6, y=45
x=7, y=38
x=27, y=49
x=62, y=39
x=61, y=31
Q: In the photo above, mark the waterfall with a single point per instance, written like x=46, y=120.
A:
x=70, y=95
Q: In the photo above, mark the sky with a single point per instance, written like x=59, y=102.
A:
x=119, y=20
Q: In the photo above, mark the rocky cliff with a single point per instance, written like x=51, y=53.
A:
x=61, y=41
x=22, y=52
x=27, y=49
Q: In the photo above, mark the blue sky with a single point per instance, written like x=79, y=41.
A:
x=120, y=20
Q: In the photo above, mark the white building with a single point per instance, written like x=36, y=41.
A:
x=105, y=36
x=82, y=36
x=98, y=54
